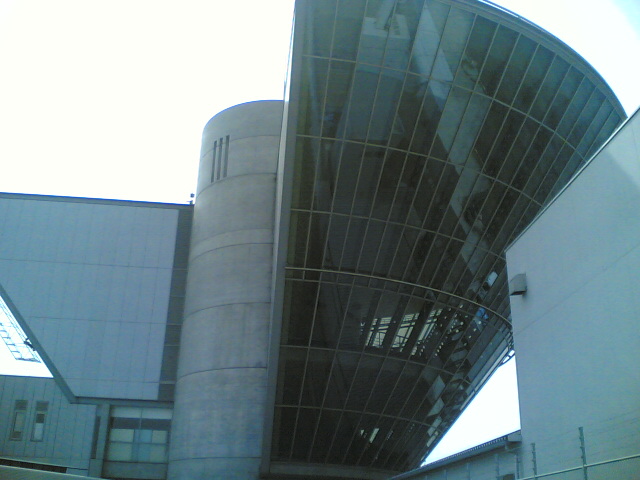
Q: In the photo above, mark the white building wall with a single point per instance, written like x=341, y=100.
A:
x=68, y=429
x=577, y=328
x=93, y=281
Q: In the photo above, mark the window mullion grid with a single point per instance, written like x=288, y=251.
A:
x=483, y=237
x=406, y=272
x=307, y=349
x=486, y=56
x=451, y=237
x=366, y=144
x=431, y=202
x=407, y=301
x=343, y=140
x=361, y=353
x=388, y=146
x=435, y=136
x=506, y=66
x=555, y=96
x=363, y=410
x=435, y=139
x=331, y=371
x=420, y=111
x=445, y=248
x=319, y=142
x=542, y=83
x=426, y=364
x=609, y=117
x=398, y=244
x=550, y=171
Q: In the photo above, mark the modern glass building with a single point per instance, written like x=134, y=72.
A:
x=337, y=294
x=427, y=135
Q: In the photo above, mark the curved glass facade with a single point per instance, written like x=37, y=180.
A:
x=428, y=134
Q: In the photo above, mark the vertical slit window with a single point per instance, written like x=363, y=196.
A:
x=219, y=158
x=37, y=434
x=213, y=162
x=19, y=419
x=94, y=442
x=226, y=157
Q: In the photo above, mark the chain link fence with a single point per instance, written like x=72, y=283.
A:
x=602, y=450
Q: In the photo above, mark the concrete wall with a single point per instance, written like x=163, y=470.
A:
x=68, y=429
x=576, y=329
x=93, y=281
x=221, y=390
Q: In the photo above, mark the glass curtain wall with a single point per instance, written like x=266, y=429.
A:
x=428, y=136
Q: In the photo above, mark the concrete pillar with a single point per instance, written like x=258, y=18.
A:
x=221, y=389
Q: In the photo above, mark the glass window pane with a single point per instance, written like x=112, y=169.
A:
x=597, y=123
x=450, y=120
x=435, y=95
x=305, y=429
x=382, y=123
x=321, y=18
x=120, y=452
x=516, y=69
x=580, y=99
x=348, y=28
x=157, y=453
x=313, y=86
x=388, y=184
x=475, y=53
x=347, y=179
x=549, y=87
x=144, y=436
x=469, y=127
x=535, y=74
x=370, y=171
x=454, y=40
x=563, y=97
x=586, y=116
x=490, y=129
x=340, y=78
x=361, y=103
x=317, y=371
x=121, y=435
x=427, y=38
x=18, y=425
x=497, y=58
x=126, y=412
x=302, y=296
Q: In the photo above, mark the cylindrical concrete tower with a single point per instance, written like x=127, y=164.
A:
x=221, y=389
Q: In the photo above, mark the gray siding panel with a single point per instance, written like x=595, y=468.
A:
x=68, y=428
x=93, y=281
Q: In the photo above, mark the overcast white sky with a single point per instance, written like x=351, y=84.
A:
x=108, y=99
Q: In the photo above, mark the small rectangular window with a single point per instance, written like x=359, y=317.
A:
x=37, y=434
x=19, y=419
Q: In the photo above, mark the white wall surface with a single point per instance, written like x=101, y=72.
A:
x=577, y=329
x=68, y=429
x=92, y=280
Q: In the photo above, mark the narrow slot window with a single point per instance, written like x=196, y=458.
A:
x=213, y=162
x=19, y=420
x=37, y=435
x=226, y=157
x=219, y=158
x=94, y=442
